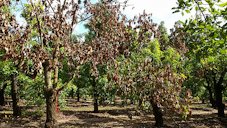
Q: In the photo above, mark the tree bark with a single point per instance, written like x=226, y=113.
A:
x=2, y=96
x=218, y=88
x=50, y=95
x=95, y=95
x=157, y=114
x=14, y=95
x=57, y=108
x=219, y=104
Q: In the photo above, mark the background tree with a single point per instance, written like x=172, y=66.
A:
x=164, y=37
x=4, y=73
x=205, y=36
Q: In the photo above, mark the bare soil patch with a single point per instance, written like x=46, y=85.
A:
x=79, y=114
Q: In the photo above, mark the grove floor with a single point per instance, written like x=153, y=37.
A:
x=79, y=114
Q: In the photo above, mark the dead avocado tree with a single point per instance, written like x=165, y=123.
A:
x=10, y=35
x=114, y=36
x=155, y=75
x=42, y=44
x=45, y=42
x=110, y=38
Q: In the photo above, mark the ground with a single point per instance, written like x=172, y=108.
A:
x=79, y=114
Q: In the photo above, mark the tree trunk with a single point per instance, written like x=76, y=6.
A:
x=209, y=88
x=96, y=106
x=78, y=94
x=95, y=94
x=57, y=109
x=211, y=97
x=50, y=95
x=157, y=114
x=203, y=101
x=218, y=88
x=219, y=104
x=2, y=96
x=14, y=95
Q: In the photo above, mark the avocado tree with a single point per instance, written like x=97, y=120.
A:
x=156, y=77
x=205, y=37
x=45, y=42
x=164, y=37
x=10, y=34
x=40, y=46
x=44, y=46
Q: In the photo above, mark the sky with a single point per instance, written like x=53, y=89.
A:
x=161, y=11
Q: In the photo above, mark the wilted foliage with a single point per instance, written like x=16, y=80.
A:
x=45, y=45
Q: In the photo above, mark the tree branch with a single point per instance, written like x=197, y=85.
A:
x=222, y=76
x=196, y=1
x=39, y=27
x=65, y=84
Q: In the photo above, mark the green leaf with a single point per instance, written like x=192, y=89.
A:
x=187, y=11
x=223, y=4
x=176, y=11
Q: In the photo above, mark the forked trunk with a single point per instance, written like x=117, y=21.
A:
x=14, y=95
x=157, y=114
